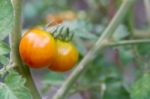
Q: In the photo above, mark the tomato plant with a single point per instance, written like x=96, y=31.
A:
x=110, y=45
x=37, y=48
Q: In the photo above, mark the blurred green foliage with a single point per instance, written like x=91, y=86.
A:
x=141, y=87
x=6, y=18
x=13, y=87
x=109, y=67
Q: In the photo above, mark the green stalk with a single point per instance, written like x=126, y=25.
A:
x=128, y=42
x=147, y=8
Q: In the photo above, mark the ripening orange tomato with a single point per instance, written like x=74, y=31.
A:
x=68, y=15
x=54, y=19
x=66, y=58
x=37, y=48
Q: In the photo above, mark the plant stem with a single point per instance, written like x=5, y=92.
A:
x=141, y=33
x=147, y=8
x=85, y=87
x=61, y=93
x=14, y=45
x=128, y=42
x=16, y=32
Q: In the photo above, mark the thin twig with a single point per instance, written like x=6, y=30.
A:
x=84, y=88
x=128, y=42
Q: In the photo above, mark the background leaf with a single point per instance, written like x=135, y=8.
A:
x=6, y=18
x=13, y=87
x=141, y=88
x=4, y=48
x=4, y=60
x=53, y=78
x=143, y=49
x=82, y=29
x=120, y=33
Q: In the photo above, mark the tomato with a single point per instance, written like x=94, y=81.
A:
x=68, y=15
x=54, y=19
x=37, y=48
x=66, y=58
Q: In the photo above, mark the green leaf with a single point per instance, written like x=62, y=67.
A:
x=6, y=18
x=81, y=28
x=141, y=88
x=13, y=87
x=53, y=78
x=115, y=88
x=120, y=33
x=116, y=91
x=4, y=60
x=81, y=46
x=125, y=55
x=143, y=49
x=4, y=48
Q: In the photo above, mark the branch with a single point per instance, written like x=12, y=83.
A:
x=141, y=33
x=87, y=87
x=127, y=42
x=61, y=93
x=14, y=45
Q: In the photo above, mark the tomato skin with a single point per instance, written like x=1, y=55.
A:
x=67, y=57
x=37, y=48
